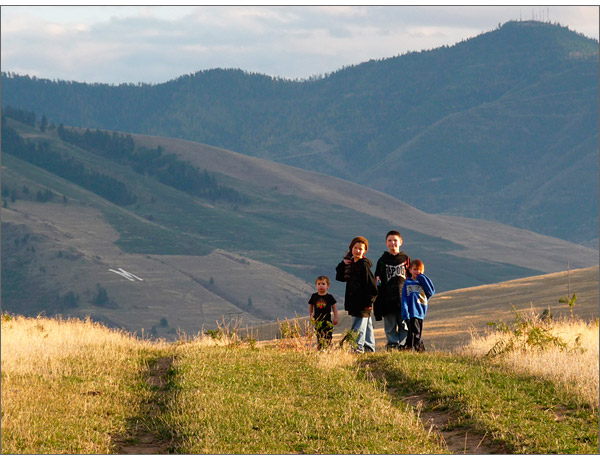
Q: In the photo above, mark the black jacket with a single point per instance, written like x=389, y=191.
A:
x=391, y=272
x=361, y=288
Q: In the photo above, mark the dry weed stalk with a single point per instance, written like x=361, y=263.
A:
x=565, y=351
x=296, y=334
x=227, y=333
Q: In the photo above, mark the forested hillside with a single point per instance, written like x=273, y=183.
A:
x=501, y=126
x=163, y=235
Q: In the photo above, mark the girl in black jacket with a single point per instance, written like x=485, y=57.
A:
x=361, y=292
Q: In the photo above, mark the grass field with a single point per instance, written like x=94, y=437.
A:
x=71, y=386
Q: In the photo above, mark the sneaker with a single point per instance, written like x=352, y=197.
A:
x=358, y=351
x=391, y=346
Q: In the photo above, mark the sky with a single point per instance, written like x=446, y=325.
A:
x=155, y=44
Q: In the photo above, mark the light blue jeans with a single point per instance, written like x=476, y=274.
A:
x=395, y=329
x=366, y=336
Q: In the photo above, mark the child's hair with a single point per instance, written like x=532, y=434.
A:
x=323, y=278
x=359, y=239
x=395, y=233
x=417, y=263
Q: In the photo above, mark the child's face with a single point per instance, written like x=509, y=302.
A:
x=416, y=271
x=322, y=286
x=393, y=242
x=359, y=250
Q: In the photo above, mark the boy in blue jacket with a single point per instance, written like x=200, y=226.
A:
x=416, y=291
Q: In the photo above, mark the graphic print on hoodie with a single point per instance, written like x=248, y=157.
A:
x=391, y=272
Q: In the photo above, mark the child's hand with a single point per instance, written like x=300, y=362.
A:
x=335, y=321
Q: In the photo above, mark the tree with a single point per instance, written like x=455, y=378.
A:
x=43, y=123
x=101, y=298
x=70, y=300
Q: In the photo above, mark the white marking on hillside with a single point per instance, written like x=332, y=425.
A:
x=126, y=274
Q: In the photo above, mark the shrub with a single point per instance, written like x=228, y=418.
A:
x=525, y=333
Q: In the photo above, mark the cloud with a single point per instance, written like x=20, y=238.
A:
x=155, y=44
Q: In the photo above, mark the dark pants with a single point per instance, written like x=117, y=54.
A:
x=413, y=340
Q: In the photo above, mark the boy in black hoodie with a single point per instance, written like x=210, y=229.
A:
x=361, y=291
x=391, y=272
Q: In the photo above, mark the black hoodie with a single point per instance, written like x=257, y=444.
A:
x=391, y=272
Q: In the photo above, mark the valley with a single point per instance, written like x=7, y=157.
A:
x=197, y=262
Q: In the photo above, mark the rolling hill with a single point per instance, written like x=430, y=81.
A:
x=501, y=127
x=169, y=260
x=456, y=316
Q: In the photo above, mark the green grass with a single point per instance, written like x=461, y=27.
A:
x=242, y=400
x=524, y=414
x=69, y=387
x=246, y=401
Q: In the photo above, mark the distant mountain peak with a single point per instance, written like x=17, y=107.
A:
x=548, y=34
x=504, y=122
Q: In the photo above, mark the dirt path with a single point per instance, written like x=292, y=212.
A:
x=143, y=436
x=457, y=440
x=443, y=422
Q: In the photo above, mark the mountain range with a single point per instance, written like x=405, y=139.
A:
x=163, y=259
x=502, y=126
x=116, y=207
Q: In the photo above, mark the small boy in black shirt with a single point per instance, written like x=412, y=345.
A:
x=320, y=305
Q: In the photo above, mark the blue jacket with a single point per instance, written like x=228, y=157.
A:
x=414, y=297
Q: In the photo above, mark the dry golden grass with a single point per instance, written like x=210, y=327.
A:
x=68, y=386
x=72, y=386
x=574, y=366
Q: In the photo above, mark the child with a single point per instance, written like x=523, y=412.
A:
x=319, y=306
x=417, y=289
x=391, y=272
x=361, y=292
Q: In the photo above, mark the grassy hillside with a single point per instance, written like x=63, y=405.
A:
x=75, y=387
x=498, y=126
x=455, y=317
x=198, y=260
